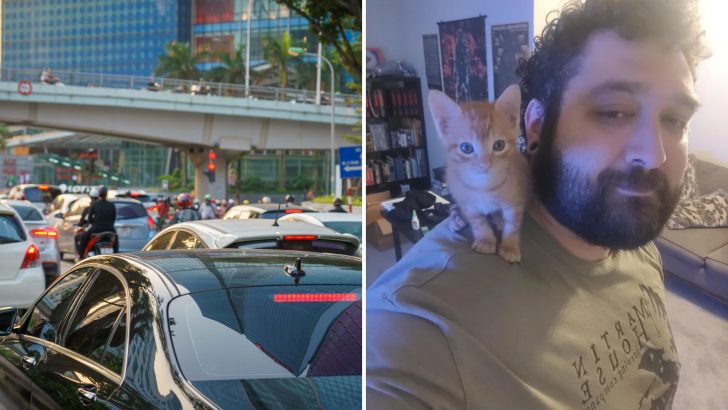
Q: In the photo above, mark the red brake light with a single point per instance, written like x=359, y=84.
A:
x=47, y=232
x=299, y=237
x=292, y=211
x=32, y=256
x=152, y=208
x=314, y=297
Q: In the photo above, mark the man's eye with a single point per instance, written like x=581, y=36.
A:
x=676, y=124
x=614, y=115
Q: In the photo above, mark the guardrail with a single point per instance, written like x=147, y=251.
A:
x=160, y=84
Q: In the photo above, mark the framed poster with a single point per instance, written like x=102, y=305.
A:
x=462, y=50
x=510, y=45
x=432, y=61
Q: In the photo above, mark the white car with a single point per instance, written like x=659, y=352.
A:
x=21, y=274
x=338, y=221
x=42, y=234
x=253, y=233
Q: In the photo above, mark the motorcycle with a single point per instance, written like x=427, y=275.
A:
x=100, y=243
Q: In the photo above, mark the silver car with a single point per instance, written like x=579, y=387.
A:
x=42, y=235
x=133, y=225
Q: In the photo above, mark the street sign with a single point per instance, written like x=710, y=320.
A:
x=24, y=87
x=350, y=162
x=165, y=184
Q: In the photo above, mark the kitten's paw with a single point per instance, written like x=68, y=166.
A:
x=484, y=246
x=510, y=253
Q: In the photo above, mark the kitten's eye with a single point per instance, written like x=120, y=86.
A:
x=466, y=148
x=499, y=145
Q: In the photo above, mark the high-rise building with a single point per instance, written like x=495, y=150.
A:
x=96, y=36
x=221, y=25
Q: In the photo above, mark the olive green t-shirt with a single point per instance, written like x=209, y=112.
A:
x=451, y=328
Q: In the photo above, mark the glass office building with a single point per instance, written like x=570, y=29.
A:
x=94, y=36
x=221, y=25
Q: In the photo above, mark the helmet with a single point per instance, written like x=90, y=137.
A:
x=208, y=197
x=184, y=200
x=103, y=191
x=94, y=193
x=246, y=202
x=231, y=201
x=265, y=200
x=338, y=202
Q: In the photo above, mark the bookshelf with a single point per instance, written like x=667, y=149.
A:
x=396, y=143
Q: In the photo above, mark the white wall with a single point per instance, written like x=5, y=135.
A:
x=708, y=138
x=397, y=26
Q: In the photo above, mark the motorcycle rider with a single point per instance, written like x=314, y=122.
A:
x=101, y=215
x=184, y=211
x=207, y=210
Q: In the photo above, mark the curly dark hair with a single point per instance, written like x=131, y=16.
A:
x=555, y=59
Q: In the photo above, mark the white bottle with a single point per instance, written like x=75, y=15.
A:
x=415, y=221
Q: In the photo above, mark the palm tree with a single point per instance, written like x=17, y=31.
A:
x=276, y=52
x=232, y=68
x=179, y=62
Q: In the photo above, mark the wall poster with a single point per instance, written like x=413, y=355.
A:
x=510, y=45
x=462, y=49
x=432, y=61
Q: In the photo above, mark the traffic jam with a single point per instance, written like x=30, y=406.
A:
x=176, y=302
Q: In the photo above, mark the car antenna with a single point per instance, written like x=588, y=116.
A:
x=278, y=213
x=296, y=274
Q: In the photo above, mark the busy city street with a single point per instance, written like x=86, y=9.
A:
x=180, y=204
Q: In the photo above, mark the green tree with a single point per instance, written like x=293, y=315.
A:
x=179, y=62
x=4, y=134
x=332, y=21
x=232, y=68
x=275, y=51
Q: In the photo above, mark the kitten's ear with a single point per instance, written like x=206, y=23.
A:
x=444, y=111
x=509, y=103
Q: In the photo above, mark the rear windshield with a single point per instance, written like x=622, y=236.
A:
x=35, y=194
x=129, y=210
x=138, y=197
x=286, y=345
x=10, y=229
x=28, y=212
x=352, y=227
x=272, y=214
x=316, y=245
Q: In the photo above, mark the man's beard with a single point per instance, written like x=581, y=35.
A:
x=596, y=211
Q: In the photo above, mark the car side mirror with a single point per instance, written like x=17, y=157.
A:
x=58, y=215
x=7, y=320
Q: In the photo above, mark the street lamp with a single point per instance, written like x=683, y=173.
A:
x=295, y=52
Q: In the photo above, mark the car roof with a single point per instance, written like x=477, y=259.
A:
x=272, y=207
x=209, y=269
x=6, y=209
x=12, y=202
x=228, y=231
x=326, y=216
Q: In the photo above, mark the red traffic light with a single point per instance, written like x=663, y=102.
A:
x=211, y=166
x=211, y=155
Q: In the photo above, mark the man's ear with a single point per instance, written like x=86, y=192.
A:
x=533, y=119
x=444, y=111
x=509, y=103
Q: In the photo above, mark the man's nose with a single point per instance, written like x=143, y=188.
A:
x=645, y=147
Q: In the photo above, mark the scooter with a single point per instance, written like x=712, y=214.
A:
x=101, y=243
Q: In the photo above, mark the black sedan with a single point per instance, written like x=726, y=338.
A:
x=242, y=329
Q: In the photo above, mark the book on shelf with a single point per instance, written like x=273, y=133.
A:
x=380, y=135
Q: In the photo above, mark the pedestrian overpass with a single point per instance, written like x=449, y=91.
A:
x=177, y=115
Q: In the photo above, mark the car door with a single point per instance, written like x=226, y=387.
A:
x=23, y=350
x=85, y=367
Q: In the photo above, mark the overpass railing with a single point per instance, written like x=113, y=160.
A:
x=161, y=84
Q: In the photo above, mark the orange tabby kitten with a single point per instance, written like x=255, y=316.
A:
x=486, y=173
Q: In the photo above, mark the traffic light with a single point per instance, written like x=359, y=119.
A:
x=211, y=166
